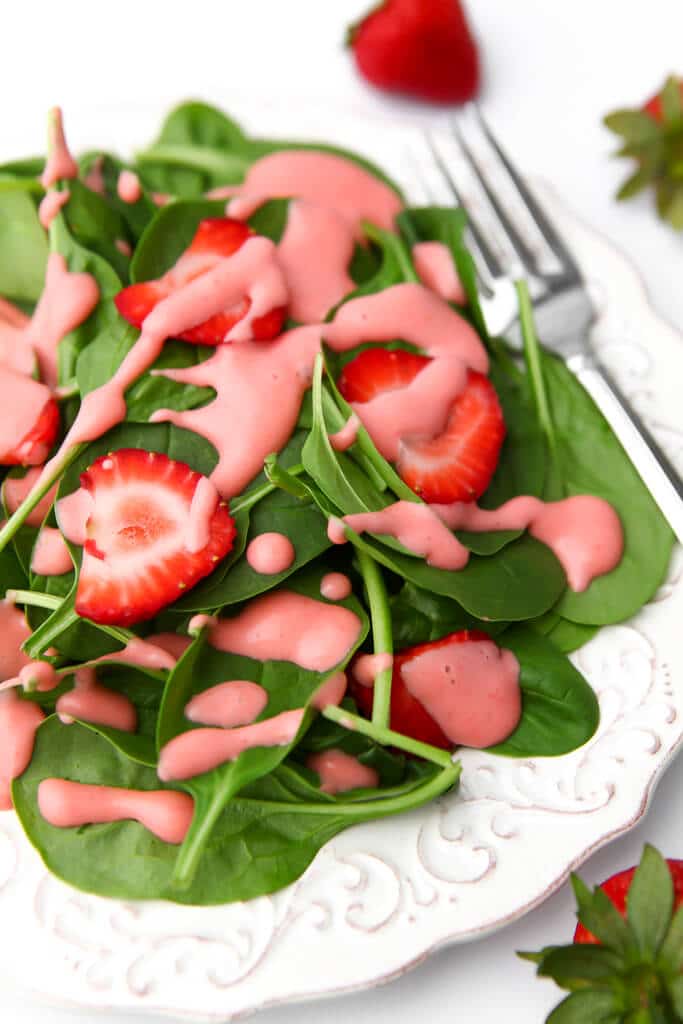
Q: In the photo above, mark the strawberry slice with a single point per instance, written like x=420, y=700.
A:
x=407, y=714
x=29, y=420
x=458, y=464
x=216, y=238
x=141, y=549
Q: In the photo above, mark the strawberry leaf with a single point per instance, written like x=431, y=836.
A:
x=672, y=106
x=598, y=914
x=574, y=967
x=633, y=125
x=634, y=184
x=671, y=950
x=591, y=1006
x=650, y=902
x=675, y=988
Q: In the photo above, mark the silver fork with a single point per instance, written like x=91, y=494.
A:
x=504, y=250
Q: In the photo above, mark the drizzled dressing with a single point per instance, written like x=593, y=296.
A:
x=50, y=556
x=270, y=553
x=91, y=702
x=234, y=703
x=67, y=804
x=340, y=772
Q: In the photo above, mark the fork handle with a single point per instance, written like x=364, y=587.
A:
x=655, y=469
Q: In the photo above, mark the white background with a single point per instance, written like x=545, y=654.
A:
x=551, y=70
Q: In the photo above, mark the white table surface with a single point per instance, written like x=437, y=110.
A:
x=551, y=71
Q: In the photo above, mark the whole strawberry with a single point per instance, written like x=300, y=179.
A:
x=627, y=958
x=653, y=137
x=420, y=47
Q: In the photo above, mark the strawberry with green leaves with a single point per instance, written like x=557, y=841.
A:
x=653, y=137
x=626, y=962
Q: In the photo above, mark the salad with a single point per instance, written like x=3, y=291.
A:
x=284, y=526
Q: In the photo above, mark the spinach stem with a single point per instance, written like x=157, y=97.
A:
x=533, y=362
x=38, y=599
x=387, y=737
x=397, y=247
x=193, y=847
x=251, y=498
x=382, y=635
x=34, y=598
x=45, y=482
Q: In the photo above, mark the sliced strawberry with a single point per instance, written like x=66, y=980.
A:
x=137, y=557
x=216, y=239
x=617, y=888
x=379, y=369
x=34, y=446
x=407, y=715
x=459, y=463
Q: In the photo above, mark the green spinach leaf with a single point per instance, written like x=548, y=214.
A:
x=23, y=245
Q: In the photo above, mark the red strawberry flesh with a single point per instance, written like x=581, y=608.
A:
x=458, y=464
x=216, y=239
x=136, y=558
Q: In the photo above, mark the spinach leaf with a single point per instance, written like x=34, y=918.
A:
x=289, y=687
x=266, y=837
x=136, y=216
x=299, y=520
x=569, y=636
x=105, y=317
x=198, y=148
x=418, y=617
x=559, y=709
x=95, y=225
x=24, y=247
x=99, y=361
x=591, y=461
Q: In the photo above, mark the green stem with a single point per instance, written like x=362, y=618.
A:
x=382, y=635
x=397, y=246
x=251, y=498
x=387, y=737
x=533, y=362
x=45, y=482
x=191, y=851
x=33, y=598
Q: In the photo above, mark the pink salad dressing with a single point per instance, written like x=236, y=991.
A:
x=234, y=703
x=60, y=163
x=200, y=750
x=367, y=667
x=67, y=301
x=410, y=312
x=124, y=247
x=314, y=253
x=15, y=489
x=417, y=527
x=285, y=626
x=199, y=622
x=335, y=586
x=340, y=772
x=321, y=178
x=72, y=514
x=19, y=720
x=171, y=644
x=583, y=532
x=38, y=675
x=14, y=630
x=50, y=556
x=11, y=314
x=471, y=690
x=92, y=702
x=94, y=179
x=50, y=205
x=21, y=402
x=270, y=553
x=148, y=653
x=241, y=375
x=202, y=507
x=252, y=271
x=67, y=804
x=331, y=692
x=14, y=353
x=345, y=437
x=128, y=187
x=435, y=268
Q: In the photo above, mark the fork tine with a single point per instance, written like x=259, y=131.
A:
x=489, y=257
x=537, y=214
x=522, y=250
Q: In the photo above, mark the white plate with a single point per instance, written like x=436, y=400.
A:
x=381, y=896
